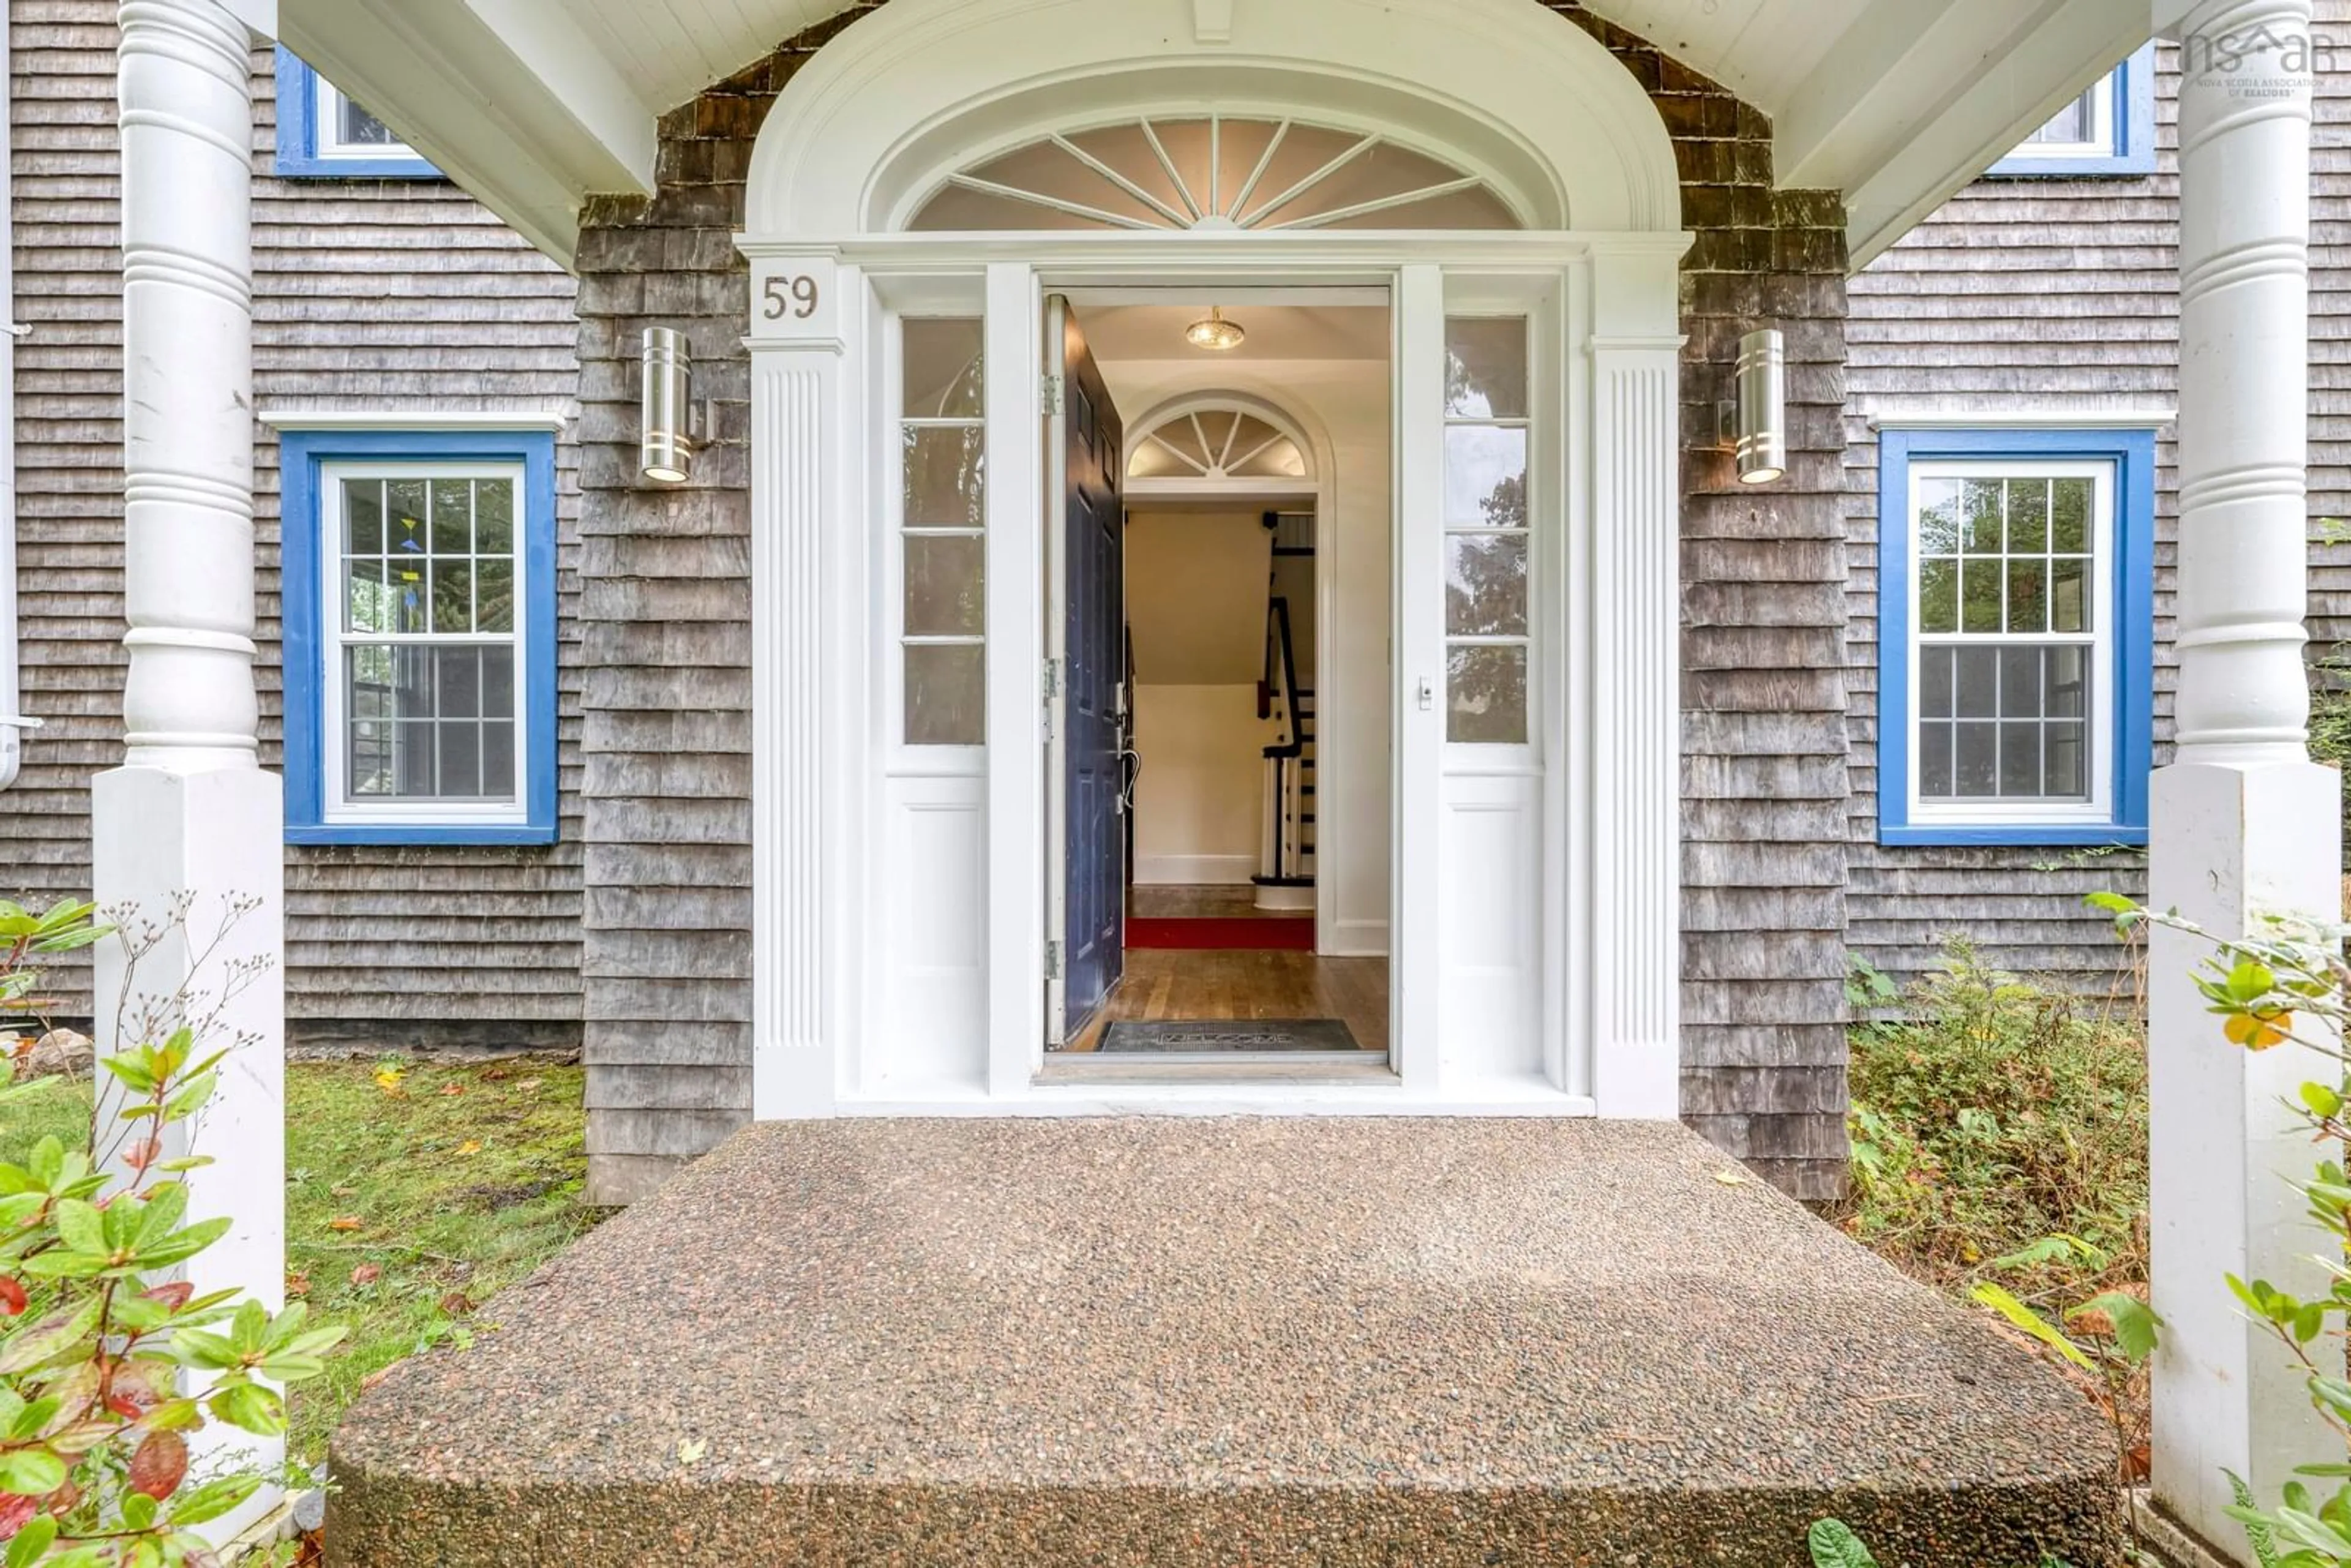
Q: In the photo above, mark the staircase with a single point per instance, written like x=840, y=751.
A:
x=1285, y=878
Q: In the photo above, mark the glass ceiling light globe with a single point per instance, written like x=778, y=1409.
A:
x=1212, y=331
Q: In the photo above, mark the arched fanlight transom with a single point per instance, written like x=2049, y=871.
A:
x=1212, y=172
x=1215, y=443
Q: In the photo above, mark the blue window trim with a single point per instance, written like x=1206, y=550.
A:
x=2132, y=451
x=303, y=454
x=297, y=135
x=2132, y=83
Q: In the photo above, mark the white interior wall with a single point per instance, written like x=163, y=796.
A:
x=1195, y=594
x=1199, y=801
x=1343, y=404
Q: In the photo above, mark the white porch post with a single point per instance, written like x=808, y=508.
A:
x=2244, y=824
x=191, y=814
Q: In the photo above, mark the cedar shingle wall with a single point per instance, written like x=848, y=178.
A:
x=666, y=958
x=377, y=294
x=2023, y=294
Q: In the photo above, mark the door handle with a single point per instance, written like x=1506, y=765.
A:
x=1130, y=766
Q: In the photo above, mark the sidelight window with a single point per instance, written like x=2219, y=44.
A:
x=1487, y=608
x=942, y=451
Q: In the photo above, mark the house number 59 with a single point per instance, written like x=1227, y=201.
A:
x=794, y=296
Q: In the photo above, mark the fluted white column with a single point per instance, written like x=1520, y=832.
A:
x=190, y=820
x=2244, y=824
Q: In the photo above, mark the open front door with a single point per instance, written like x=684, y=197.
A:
x=1085, y=620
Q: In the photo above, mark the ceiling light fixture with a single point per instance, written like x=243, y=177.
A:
x=1213, y=332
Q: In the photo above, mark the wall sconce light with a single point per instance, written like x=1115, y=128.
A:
x=1759, y=420
x=665, y=410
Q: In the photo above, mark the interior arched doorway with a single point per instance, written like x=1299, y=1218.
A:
x=1504, y=191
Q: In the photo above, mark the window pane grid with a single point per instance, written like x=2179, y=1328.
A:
x=424, y=651
x=1488, y=544
x=2007, y=635
x=942, y=532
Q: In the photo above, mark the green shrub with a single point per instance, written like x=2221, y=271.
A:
x=1990, y=1116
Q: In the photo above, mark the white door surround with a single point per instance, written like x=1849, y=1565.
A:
x=899, y=909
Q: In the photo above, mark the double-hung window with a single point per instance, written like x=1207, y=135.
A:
x=2108, y=131
x=419, y=630
x=2016, y=632
x=325, y=133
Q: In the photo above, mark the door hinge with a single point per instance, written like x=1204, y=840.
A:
x=1054, y=394
x=1053, y=960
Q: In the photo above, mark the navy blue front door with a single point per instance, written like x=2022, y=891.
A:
x=1094, y=908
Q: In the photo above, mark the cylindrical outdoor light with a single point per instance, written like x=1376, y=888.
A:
x=1762, y=407
x=665, y=444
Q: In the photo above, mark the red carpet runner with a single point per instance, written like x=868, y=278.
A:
x=1242, y=935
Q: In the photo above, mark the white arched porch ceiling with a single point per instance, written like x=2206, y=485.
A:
x=1503, y=89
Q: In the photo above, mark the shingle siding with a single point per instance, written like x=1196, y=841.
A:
x=392, y=295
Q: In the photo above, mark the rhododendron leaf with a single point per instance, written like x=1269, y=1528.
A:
x=159, y=1465
x=31, y=1472
x=2258, y=1030
x=204, y=1503
x=32, y=1541
x=250, y=1408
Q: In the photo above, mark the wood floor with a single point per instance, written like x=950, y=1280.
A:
x=1230, y=985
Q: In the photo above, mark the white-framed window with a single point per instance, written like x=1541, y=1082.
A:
x=325, y=133
x=940, y=459
x=2013, y=646
x=2107, y=130
x=1489, y=605
x=420, y=650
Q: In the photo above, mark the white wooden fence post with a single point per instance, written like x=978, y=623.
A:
x=2244, y=824
x=191, y=814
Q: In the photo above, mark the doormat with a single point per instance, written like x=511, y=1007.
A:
x=1230, y=1034
x=1240, y=934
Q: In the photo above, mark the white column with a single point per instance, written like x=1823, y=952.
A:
x=191, y=814
x=2244, y=824
x=1636, y=687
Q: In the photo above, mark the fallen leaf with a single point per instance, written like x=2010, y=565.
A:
x=342, y=1191
x=1731, y=1177
x=366, y=1274
x=494, y=1075
x=690, y=1449
x=296, y=1282
x=372, y=1378
x=456, y=1303
x=388, y=1079
x=453, y=1087
x=344, y=1222
x=528, y=1086
x=470, y=1146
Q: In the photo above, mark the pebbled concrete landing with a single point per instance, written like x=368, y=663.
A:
x=1219, y=1343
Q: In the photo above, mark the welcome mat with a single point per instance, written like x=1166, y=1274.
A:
x=1230, y=1035
x=1234, y=933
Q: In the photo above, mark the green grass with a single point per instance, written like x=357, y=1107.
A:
x=411, y=1200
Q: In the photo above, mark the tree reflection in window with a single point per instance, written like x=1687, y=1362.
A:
x=1488, y=546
